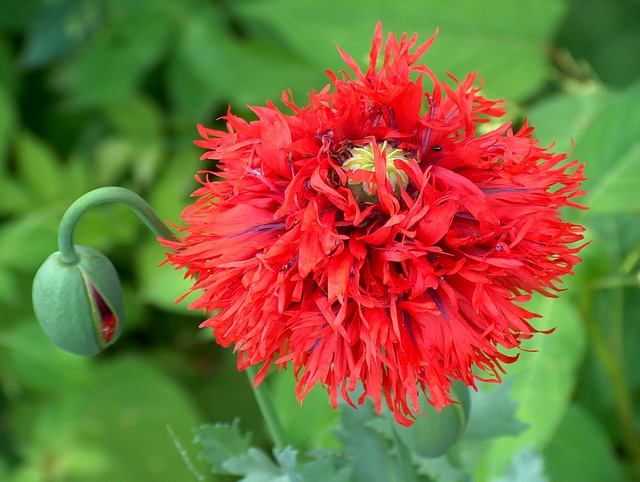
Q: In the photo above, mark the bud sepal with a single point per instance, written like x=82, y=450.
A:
x=79, y=305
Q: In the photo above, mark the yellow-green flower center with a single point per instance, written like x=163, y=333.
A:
x=363, y=158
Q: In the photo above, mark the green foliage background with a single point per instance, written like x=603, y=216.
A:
x=108, y=92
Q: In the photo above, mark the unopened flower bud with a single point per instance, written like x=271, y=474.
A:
x=434, y=433
x=79, y=305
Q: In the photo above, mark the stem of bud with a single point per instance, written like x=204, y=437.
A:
x=103, y=195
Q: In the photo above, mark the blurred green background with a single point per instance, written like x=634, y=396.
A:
x=109, y=92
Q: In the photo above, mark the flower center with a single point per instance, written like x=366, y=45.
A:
x=363, y=158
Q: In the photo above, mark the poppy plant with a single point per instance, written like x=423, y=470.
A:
x=381, y=238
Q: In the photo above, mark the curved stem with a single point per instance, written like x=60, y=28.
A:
x=105, y=195
x=265, y=403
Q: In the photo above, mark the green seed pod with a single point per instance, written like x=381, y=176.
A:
x=79, y=305
x=434, y=433
x=363, y=158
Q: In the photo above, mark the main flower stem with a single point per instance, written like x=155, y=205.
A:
x=105, y=195
x=265, y=404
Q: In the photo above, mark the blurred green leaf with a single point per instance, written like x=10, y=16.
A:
x=211, y=66
x=543, y=381
x=135, y=142
x=58, y=29
x=220, y=442
x=28, y=240
x=610, y=148
x=604, y=128
x=527, y=466
x=230, y=452
x=287, y=459
x=139, y=118
x=110, y=68
x=442, y=469
x=562, y=119
x=606, y=35
x=580, y=450
x=39, y=168
x=193, y=73
x=162, y=286
x=367, y=451
x=171, y=189
x=15, y=14
x=7, y=120
x=610, y=286
x=15, y=198
x=9, y=289
x=493, y=413
x=256, y=466
x=308, y=424
x=325, y=468
x=38, y=364
x=54, y=450
x=124, y=417
x=505, y=41
x=118, y=423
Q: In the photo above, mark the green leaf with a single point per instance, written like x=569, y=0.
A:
x=527, y=466
x=212, y=66
x=130, y=407
x=610, y=149
x=16, y=14
x=562, y=119
x=193, y=73
x=15, y=198
x=604, y=129
x=10, y=291
x=580, y=450
x=27, y=241
x=606, y=35
x=58, y=29
x=136, y=143
x=162, y=286
x=610, y=285
x=221, y=442
x=229, y=452
x=7, y=121
x=139, y=118
x=493, y=413
x=367, y=450
x=307, y=423
x=543, y=380
x=37, y=364
x=110, y=68
x=256, y=466
x=505, y=41
x=287, y=460
x=39, y=168
x=442, y=469
x=113, y=428
x=325, y=468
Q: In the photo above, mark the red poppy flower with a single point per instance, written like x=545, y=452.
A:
x=376, y=238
